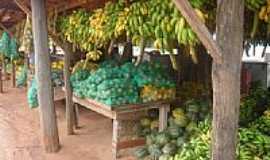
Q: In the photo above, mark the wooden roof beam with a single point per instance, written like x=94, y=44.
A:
x=6, y=30
x=23, y=7
x=200, y=29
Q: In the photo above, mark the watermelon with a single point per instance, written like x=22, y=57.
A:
x=180, y=141
x=146, y=131
x=162, y=138
x=181, y=121
x=174, y=131
x=154, y=150
x=154, y=125
x=169, y=148
x=145, y=122
x=165, y=157
x=150, y=139
x=191, y=127
x=178, y=113
x=141, y=152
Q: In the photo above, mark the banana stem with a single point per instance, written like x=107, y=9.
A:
x=142, y=47
x=174, y=61
x=110, y=49
x=255, y=24
x=193, y=54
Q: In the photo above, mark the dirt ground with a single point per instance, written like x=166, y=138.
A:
x=20, y=132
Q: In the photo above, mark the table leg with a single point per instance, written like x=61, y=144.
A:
x=76, y=115
x=163, y=117
x=115, y=138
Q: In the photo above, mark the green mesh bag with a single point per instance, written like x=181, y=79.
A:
x=13, y=54
x=4, y=44
x=22, y=78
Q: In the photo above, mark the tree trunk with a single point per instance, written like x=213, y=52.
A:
x=226, y=79
x=43, y=76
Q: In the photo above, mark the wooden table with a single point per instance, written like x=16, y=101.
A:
x=58, y=93
x=125, y=112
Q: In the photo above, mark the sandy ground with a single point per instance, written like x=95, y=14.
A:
x=20, y=132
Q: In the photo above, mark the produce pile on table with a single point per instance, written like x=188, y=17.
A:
x=182, y=125
x=112, y=84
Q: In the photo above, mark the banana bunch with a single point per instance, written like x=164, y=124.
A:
x=138, y=21
x=151, y=93
x=84, y=65
x=265, y=12
x=254, y=5
x=93, y=55
x=262, y=123
x=253, y=145
x=58, y=65
x=121, y=23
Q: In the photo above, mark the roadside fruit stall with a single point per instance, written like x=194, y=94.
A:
x=128, y=86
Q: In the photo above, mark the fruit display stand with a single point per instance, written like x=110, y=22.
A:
x=119, y=114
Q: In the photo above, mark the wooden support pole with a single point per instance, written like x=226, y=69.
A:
x=226, y=79
x=163, y=117
x=200, y=29
x=69, y=107
x=43, y=76
x=4, y=68
x=70, y=111
x=13, y=74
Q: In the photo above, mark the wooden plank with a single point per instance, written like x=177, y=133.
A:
x=59, y=94
x=43, y=74
x=132, y=115
x=200, y=29
x=140, y=106
x=95, y=107
x=131, y=143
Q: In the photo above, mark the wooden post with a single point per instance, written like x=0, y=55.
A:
x=163, y=117
x=4, y=68
x=116, y=138
x=226, y=79
x=70, y=118
x=43, y=76
x=77, y=115
x=13, y=74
